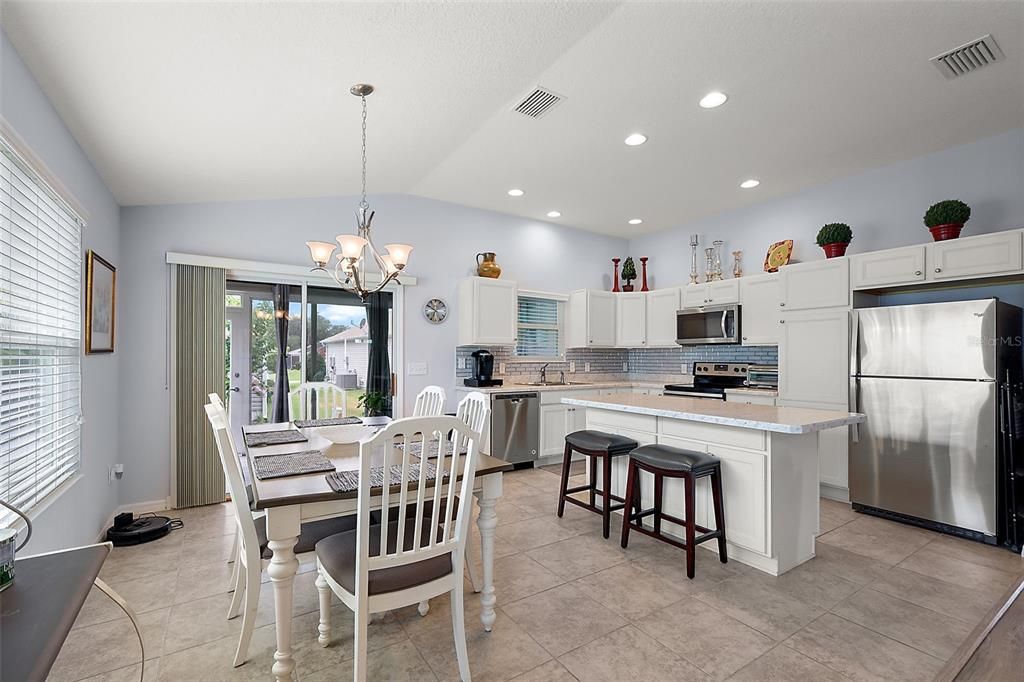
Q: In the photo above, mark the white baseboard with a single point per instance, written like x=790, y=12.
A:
x=136, y=508
x=832, y=492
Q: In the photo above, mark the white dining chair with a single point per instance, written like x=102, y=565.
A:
x=415, y=552
x=330, y=400
x=429, y=402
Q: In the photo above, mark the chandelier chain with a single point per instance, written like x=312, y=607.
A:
x=362, y=202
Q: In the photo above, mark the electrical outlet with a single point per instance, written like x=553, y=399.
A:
x=416, y=369
x=682, y=368
x=460, y=363
x=625, y=367
x=501, y=368
x=586, y=366
x=572, y=367
x=115, y=472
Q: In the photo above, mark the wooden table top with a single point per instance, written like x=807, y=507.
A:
x=340, y=444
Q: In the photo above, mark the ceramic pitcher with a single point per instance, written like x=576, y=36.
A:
x=487, y=267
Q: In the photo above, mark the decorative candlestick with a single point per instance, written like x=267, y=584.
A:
x=643, y=271
x=737, y=271
x=694, y=242
x=716, y=275
x=709, y=267
x=616, y=278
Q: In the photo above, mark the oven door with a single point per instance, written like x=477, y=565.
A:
x=712, y=324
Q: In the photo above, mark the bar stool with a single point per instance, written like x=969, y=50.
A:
x=668, y=462
x=594, y=444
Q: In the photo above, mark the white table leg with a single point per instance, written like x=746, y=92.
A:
x=487, y=498
x=283, y=532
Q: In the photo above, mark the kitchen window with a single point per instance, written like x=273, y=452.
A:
x=540, y=327
x=40, y=336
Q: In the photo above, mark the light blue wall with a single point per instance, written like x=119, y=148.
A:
x=883, y=206
x=77, y=516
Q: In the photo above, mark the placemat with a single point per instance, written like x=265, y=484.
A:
x=348, y=481
x=334, y=421
x=416, y=448
x=262, y=438
x=291, y=464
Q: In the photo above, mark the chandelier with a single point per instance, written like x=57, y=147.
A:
x=349, y=269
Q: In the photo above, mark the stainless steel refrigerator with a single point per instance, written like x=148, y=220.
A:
x=929, y=378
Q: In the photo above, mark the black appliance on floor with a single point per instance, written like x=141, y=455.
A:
x=483, y=370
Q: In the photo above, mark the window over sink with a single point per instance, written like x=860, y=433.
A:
x=540, y=327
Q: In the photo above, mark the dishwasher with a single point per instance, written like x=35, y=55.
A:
x=515, y=426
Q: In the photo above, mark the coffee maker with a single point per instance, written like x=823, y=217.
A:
x=483, y=370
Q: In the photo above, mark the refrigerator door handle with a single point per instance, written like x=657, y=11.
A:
x=854, y=343
x=854, y=406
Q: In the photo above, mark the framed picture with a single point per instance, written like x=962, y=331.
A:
x=100, y=298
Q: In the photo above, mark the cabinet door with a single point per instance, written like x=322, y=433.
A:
x=759, y=307
x=991, y=254
x=883, y=268
x=695, y=295
x=494, y=311
x=601, y=310
x=630, y=320
x=744, y=484
x=814, y=356
x=554, y=425
x=724, y=292
x=662, y=306
x=672, y=499
x=818, y=284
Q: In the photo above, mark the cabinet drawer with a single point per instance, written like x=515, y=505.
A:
x=991, y=254
x=884, y=268
x=748, y=399
x=614, y=422
x=712, y=433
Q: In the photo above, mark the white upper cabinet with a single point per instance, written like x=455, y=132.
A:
x=818, y=284
x=814, y=356
x=990, y=254
x=760, y=296
x=631, y=319
x=591, y=319
x=662, y=306
x=885, y=268
x=724, y=292
x=487, y=312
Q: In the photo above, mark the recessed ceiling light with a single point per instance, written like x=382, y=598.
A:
x=635, y=221
x=713, y=99
x=554, y=214
x=515, y=192
x=635, y=139
x=750, y=184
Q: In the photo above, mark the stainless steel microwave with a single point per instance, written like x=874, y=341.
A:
x=710, y=324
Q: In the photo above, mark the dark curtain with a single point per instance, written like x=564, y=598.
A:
x=378, y=374
x=279, y=413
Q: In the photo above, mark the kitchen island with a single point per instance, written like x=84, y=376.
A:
x=769, y=467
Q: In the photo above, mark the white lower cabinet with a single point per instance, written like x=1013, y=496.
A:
x=750, y=399
x=743, y=491
x=673, y=499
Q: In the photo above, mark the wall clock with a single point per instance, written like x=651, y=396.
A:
x=435, y=310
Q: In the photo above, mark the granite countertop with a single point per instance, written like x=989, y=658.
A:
x=768, y=392
x=576, y=386
x=792, y=420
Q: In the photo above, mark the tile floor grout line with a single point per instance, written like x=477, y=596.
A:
x=891, y=639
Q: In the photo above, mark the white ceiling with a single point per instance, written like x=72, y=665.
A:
x=187, y=102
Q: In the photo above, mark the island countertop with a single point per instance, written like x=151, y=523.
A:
x=792, y=420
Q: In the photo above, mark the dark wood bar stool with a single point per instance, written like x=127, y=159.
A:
x=668, y=462
x=595, y=445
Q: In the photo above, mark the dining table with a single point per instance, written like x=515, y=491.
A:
x=290, y=501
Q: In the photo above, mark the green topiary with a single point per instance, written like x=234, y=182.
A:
x=629, y=269
x=948, y=212
x=835, y=233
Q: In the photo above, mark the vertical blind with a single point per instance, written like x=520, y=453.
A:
x=40, y=335
x=538, y=335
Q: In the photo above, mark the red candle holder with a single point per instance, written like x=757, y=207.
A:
x=643, y=273
x=615, y=279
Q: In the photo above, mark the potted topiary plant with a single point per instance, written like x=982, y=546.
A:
x=374, y=404
x=946, y=218
x=834, y=238
x=628, y=274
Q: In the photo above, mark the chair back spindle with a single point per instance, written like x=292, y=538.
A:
x=429, y=402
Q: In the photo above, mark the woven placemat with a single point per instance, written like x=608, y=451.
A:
x=348, y=481
x=291, y=464
x=416, y=448
x=334, y=421
x=258, y=439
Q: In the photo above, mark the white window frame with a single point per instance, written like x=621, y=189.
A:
x=562, y=301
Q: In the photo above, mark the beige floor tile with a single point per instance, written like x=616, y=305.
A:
x=519, y=576
x=385, y=630
x=398, y=662
x=539, y=479
x=208, y=550
x=108, y=646
x=978, y=553
x=835, y=514
x=532, y=533
x=812, y=583
x=552, y=671
x=885, y=541
x=143, y=561
x=913, y=625
x=579, y=556
x=509, y=513
x=539, y=504
x=670, y=563
x=955, y=601
x=130, y=673
x=203, y=580
x=934, y=561
x=761, y=606
x=706, y=637
x=860, y=653
x=211, y=527
x=627, y=653
x=630, y=590
x=783, y=664
x=847, y=565
x=511, y=489
x=563, y=618
x=205, y=620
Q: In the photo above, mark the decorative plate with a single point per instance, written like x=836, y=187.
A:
x=778, y=255
x=435, y=310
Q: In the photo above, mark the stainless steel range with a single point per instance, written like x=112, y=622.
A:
x=711, y=379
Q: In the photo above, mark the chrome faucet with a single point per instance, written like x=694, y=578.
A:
x=544, y=373
x=561, y=376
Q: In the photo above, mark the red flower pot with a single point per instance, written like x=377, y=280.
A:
x=941, y=233
x=835, y=250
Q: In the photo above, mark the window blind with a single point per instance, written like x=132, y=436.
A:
x=539, y=333
x=40, y=336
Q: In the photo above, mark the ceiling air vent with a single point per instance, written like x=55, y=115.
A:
x=969, y=57
x=538, y=103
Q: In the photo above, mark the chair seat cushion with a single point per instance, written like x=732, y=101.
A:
x=674, y=459
x=337, y=555
x=612, y=443
x=312, y=532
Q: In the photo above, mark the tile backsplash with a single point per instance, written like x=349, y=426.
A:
x=609, y=362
